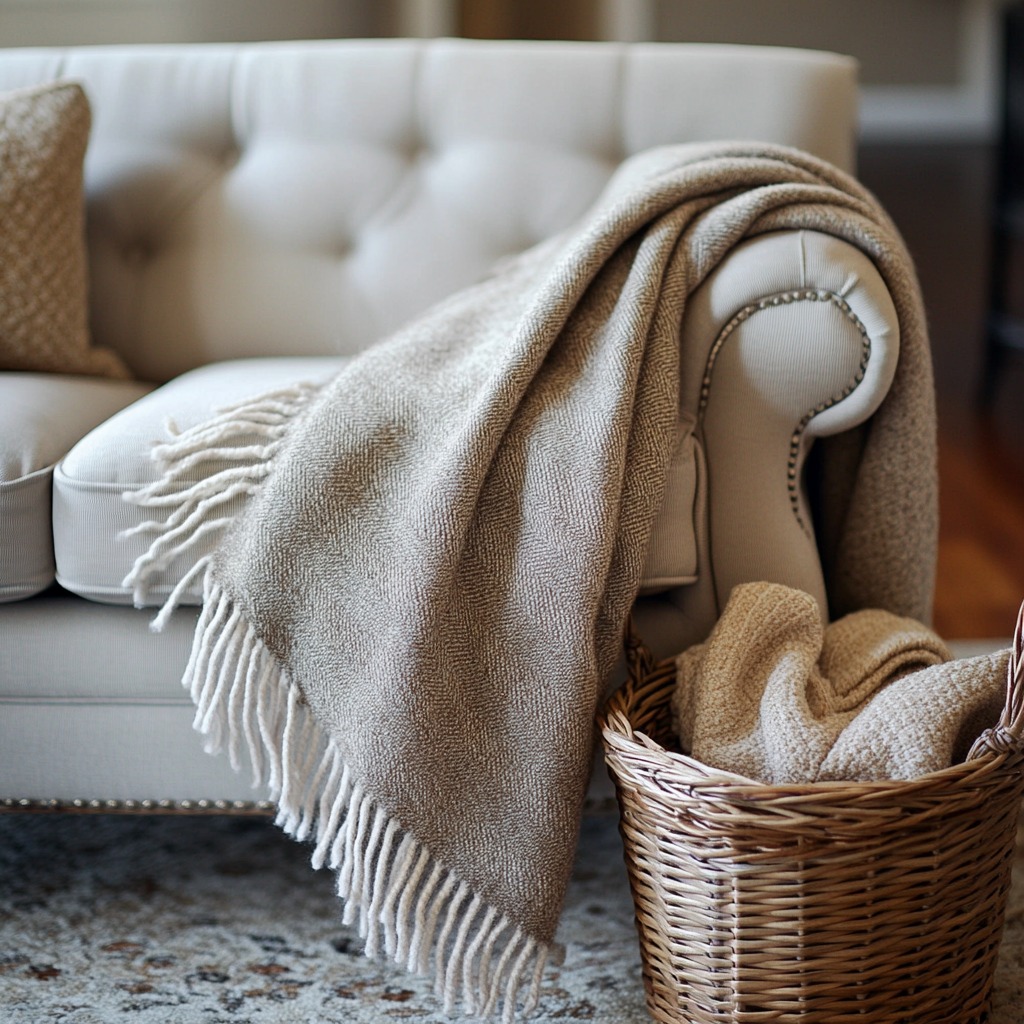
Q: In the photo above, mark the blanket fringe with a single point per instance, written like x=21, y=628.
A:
x=402, y=901
x=205, y=469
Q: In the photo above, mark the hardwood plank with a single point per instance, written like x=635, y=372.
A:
x=980, y=580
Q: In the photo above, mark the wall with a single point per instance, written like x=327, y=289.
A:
x=528, y=19
x=929, y=67
x=898, y=42
x=71, y=22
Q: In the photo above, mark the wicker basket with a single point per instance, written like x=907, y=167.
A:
x=830, y=902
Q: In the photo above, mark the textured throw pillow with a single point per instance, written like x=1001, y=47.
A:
x=44, y=321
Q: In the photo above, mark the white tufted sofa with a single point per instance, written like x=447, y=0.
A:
x=257, y=213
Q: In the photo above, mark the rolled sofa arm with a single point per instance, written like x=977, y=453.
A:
x=793, y=337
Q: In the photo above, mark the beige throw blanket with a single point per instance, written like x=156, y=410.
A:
x=776, y=696
x=411, y=625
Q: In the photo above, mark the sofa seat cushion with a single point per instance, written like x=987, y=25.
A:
x=42, y=415
x=94, y=554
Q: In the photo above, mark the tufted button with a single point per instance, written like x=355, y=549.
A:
x=415, y=150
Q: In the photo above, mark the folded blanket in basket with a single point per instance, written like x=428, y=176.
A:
x=411, y=623
x=778, y=697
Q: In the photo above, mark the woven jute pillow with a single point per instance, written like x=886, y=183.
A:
x=44, y=317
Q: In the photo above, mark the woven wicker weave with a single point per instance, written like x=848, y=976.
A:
x=831, y=902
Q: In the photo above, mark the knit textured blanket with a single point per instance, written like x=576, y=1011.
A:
x=777, y=696
x=411, y=623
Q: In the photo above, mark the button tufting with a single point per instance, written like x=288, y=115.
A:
x=417, y=150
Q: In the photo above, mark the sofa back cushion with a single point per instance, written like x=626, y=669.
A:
x=269, y=199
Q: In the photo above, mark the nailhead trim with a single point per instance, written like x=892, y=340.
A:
x=191, y=806
x=601, y=805
x=787, y=298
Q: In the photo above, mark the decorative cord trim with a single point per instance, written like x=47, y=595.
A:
x=785, y=299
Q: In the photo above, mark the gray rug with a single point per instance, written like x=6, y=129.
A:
x=222, y=921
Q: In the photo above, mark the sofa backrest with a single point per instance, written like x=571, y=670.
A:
x=308, y=198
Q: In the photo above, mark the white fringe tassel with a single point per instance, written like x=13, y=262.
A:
x=204, y=470
x=403, y=902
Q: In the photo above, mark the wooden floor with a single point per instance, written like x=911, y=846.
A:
x=939, y=197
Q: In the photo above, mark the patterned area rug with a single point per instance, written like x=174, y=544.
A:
x=222, y=921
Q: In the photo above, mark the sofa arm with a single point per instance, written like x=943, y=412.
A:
x=793, y=337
